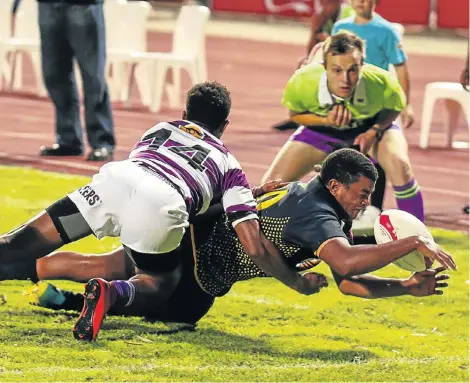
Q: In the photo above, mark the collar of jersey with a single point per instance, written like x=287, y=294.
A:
x=326, y=98
x=205, y=130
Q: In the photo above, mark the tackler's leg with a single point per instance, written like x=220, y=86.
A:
x=59, y=224
x=150, y=287
x=153, y=225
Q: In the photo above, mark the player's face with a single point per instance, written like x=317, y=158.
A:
x=343, y=72
x=363, y=8
x=355, y=198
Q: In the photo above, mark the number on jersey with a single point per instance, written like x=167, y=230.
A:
x=194, y=155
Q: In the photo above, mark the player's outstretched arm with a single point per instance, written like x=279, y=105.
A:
x=420, y=284
x=267, y=257
x=347, y=260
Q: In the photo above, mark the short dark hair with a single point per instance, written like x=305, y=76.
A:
x=341, y=43
x=347, y=166
x=209, y=104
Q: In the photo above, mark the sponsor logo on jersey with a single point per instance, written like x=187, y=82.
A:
x=193, y=130
x=90, y=195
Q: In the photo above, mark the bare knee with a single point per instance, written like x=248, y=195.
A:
x=164, y=281
x=294, y=160
x=397, y=168
x=156, y=288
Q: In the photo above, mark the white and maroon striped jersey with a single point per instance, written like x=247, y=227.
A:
x=198, y=164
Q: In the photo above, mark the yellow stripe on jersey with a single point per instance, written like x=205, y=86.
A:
x=193, y=245
x=269, y=199
x=320, y=248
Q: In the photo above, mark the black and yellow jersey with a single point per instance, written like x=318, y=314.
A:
x=297, y=218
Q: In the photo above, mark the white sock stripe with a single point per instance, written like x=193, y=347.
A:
x=131, y=295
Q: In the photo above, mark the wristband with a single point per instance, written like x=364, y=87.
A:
x=378, y=132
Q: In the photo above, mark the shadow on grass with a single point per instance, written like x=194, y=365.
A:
x=121, y=329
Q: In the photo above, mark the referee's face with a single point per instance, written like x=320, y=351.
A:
x=342, y=71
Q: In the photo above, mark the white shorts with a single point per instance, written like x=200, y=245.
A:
x=125, y=200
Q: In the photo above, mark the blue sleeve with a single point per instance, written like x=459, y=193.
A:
x=334, y=30
x=394, y=49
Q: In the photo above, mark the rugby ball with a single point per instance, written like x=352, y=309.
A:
x=395, y=224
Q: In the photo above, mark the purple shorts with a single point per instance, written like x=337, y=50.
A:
x=330, y=140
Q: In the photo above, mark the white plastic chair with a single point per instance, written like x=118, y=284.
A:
x=126, y=33
x=437, y=91
x=188, y=52
x=26, y=40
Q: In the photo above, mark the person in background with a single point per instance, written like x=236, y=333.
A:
x=71, y=31
x=321, y=25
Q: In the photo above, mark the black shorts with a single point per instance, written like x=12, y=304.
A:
x=189, y=302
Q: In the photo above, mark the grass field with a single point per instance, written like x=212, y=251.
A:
x=261, y=331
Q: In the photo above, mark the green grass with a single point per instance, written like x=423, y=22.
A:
x=261, y=331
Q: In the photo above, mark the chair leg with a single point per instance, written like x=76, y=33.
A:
x=426, y=120
x=40, y=87
x=119, y=70
x=109, y=74
x=16, y=70
x=453, y=114
x=466, y=112
x=158, y=84
x=114, y=73
x=4, y=68
x=194, y=73
x=202, y=69
x=128, y=82
x=144, y=74
x=6, y=64
x=173, y=90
